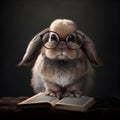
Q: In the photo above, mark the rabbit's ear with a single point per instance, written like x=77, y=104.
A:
x=89, y=49
x=33, y=49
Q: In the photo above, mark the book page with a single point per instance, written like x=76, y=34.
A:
x=39, y=98
x=75, y=104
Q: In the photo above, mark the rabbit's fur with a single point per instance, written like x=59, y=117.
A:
x=61, y=71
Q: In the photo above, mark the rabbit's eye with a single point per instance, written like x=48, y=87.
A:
x=53, y=38
x=70, y=38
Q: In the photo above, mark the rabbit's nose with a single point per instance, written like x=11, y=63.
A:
x=62, y=45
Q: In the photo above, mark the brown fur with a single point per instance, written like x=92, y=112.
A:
x=61, y=71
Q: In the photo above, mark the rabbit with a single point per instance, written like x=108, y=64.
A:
x=63, y=58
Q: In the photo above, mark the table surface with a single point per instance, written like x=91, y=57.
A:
x=105, y=107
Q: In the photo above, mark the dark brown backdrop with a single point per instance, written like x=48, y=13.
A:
x=20, y=20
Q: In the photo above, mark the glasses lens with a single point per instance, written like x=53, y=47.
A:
x=50, y=40
x=72, y=41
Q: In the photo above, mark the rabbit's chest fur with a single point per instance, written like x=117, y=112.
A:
x=60, y=72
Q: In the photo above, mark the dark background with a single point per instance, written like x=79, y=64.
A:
x=20, y=20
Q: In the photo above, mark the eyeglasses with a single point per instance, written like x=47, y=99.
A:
x=54, y=40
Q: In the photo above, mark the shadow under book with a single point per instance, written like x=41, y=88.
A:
x=40, y=100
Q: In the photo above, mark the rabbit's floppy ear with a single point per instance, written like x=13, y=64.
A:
x=88, y=47
x=33, y=49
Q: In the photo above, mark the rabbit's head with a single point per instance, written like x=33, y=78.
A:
x=61, y=41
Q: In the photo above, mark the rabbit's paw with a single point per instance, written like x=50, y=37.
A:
x=57, y=94
x=72, y=94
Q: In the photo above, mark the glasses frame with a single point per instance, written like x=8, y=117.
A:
x=63, y=39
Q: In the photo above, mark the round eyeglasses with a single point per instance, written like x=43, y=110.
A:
x=51, y=40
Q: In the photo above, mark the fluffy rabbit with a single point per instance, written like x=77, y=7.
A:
x=62, y=57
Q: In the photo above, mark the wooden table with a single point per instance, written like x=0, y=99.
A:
x=105, y=108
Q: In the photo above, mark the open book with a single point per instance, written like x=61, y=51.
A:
x=41, y=100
